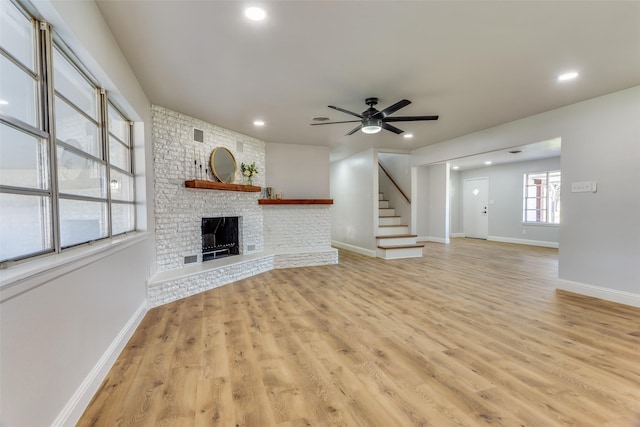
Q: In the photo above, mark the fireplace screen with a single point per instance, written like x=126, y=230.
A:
x=219, y=237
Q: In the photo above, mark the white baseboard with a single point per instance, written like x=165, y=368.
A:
x=438, y=239
x=352, y=248
x=524, y=241
x=453, y=235
x=432, y=239
x=75, y=407
x=613, y=295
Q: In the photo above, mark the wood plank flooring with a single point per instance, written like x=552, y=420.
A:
x=472, y=334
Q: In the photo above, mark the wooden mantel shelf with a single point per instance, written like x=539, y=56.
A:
x=212, y=185
x=295, y=201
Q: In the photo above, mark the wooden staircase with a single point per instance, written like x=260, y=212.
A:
x=393, y=239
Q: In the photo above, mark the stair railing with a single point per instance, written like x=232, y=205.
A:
x=394, y=183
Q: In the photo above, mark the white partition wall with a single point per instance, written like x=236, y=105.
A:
x=354, y=187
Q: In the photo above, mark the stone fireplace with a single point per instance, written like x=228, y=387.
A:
x=197, y=230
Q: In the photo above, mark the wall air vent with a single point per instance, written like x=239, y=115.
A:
x=198, y=135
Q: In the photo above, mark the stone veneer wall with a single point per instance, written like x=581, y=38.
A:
x=270, y=237
x=179, y=210
x=299, y=235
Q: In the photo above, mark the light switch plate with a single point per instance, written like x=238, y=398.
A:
x=584, y=187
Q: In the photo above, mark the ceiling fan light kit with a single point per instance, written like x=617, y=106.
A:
x=373, y=121
x=371, y=126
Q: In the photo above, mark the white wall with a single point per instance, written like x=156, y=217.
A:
x=430, y=204
x=298, y=171
x=455, y=204
x=399, y=167
x=438, y=204
x=505, y=202
x=354, y=190
x=60, y=337
x=600, y=233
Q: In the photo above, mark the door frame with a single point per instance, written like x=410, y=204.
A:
x=464, y=204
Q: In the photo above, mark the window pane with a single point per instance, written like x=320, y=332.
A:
x=532, y=190
x=74, y=129
x=70, y=83
x=16, y=34
x=119, y=155
x=24, y=225
x=18, y=92
x=80, y=176
x=122, y=218
x=118, y=125
x=533, y=204
x=121, y=186
x=23, y=159
x=82, y=221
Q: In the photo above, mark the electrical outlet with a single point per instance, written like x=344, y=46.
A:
x=524, y=231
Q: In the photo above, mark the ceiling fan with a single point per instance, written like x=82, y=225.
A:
x=373, y=121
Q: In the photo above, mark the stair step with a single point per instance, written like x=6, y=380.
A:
x=415, y=245
x=386, y=212
x=388, y=230
x=400, y=251
x=396, y=240
x=389, y=220
x=383, y=204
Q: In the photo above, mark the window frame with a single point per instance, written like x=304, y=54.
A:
x=546, y=198
x=45, y=41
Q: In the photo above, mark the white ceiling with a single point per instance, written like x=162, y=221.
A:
x=477, y=64
x=522, y=153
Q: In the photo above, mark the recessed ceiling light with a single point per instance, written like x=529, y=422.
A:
x=567, y=76
x=258, y=123
x=255, y=13
x=456, y=167
x=407, y=135
x=3, y=102
x=515, y=151
x=488, y=162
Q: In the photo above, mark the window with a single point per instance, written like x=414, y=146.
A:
x=66, y=167
x=542, y=198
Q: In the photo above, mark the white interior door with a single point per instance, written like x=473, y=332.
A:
x=476, y=202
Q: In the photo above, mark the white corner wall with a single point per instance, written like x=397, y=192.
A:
x=354, y=190
x=599, y=233
x=61, y=336
x=431, y=203
x=298, y=171
x=455, y=204
x=438, y=204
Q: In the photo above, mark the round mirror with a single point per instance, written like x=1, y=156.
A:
x=223, y=165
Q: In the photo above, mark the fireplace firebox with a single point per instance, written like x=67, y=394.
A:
x=220, y=237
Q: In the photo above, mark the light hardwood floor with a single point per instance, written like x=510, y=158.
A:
x=472, y=334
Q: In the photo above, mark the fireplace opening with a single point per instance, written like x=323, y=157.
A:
x=220, y=237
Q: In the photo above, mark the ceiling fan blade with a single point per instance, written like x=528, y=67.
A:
x=345, y=111
x=409, y=118
x=392, y=128
x=354, y=131
x=333, y=123
x=391, y=109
